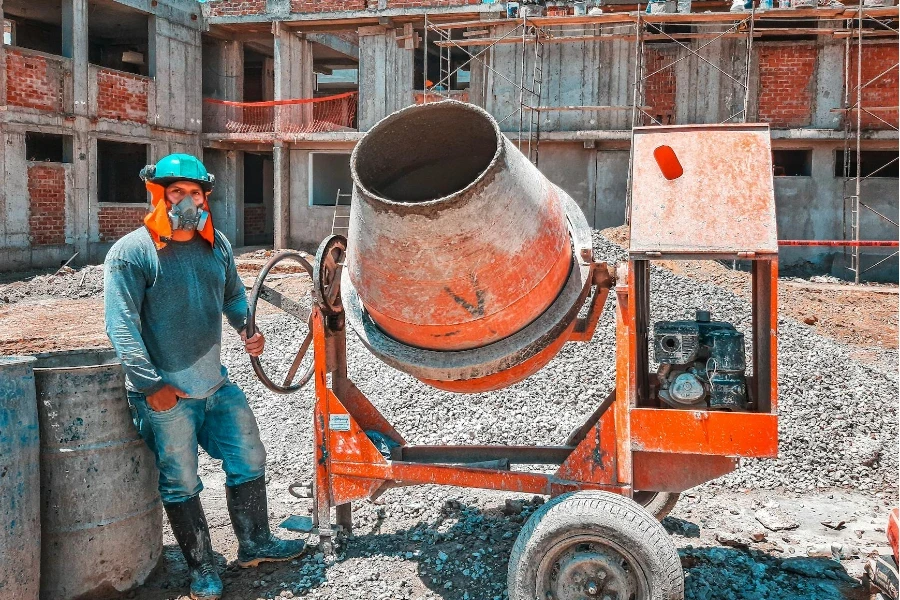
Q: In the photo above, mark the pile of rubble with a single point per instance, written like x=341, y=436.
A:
x=64, y=283
x=838, y=423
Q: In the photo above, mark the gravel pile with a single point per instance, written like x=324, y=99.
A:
x=838, y=423
x=67, y=283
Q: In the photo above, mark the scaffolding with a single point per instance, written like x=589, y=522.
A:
x=855, y=24
x=853, y=109
x=524, y=32
x=536, y=32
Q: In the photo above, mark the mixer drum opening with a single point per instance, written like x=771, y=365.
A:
x=460, y=267
x=434, y=152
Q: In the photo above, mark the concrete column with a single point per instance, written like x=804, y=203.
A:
x=2, y=75
x=385, y=75
x=281, y=200
x=268, y=79
x=227, y=199
x=75, y=46
x=223, y=70
x=293, y=64
x=16, y=191
x=718, y=78
x=269, y=194
x=829, y=84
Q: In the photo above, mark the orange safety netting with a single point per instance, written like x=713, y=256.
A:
x=307, y=115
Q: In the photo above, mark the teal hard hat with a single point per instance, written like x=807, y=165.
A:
x=178, y=167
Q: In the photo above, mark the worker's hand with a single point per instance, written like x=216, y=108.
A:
x=165, y=398
x=254, y=345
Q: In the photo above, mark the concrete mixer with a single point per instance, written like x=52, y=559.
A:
x=466, y=268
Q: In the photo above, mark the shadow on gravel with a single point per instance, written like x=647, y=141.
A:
x=463, y=554
x=716, y=573
x=676, y=526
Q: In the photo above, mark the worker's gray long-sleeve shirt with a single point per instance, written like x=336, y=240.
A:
x=164, y=311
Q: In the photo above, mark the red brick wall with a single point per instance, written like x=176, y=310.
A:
x=305, y=6
x=116, y=221
x=122, y=96
x=659, y=89
x=876, y=59
x=786, y=82
x=47, y=203
x=254, y=219
x=235, y=8
x=429, y=3
x=32, y=81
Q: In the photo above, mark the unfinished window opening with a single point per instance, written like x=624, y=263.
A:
x=118, y=166
x=792, y=163
x=459, y=68
x=118, y=37
x=874, y=163
x=880, y=24
x=786, y=30
x=259, y=77
x=259, y=183
x=34, y=24
x=330, y=179
x=434, y=152
x=48, y=147
x=337, y=81
x=335, y=62
x=660, y=32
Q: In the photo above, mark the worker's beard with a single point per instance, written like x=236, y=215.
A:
x=185, y=215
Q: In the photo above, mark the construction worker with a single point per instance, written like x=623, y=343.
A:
x=167, y=286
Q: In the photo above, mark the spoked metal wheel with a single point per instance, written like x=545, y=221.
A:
x=587, y=545
x=296, y=304
x=324, y=290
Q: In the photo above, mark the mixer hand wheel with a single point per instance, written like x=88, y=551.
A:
x=291, y=307
x=326, y=276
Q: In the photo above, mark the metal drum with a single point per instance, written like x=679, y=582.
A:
x=459, y=251
x=100, y=509
x=20, y=525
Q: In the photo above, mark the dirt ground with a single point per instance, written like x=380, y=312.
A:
x=860, y=315
x=865, y=316
x=404, y=538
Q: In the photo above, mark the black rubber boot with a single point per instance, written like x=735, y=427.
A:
x=250, y=518
x=190, y=529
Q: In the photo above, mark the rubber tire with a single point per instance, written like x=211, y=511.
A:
x=660, y=504
x=613, y=517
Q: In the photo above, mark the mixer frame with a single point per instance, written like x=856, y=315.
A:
x=629, y=443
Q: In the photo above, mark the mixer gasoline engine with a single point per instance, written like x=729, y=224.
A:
x=701, y=364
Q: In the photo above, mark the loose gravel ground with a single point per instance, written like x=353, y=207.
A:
x=838, y=459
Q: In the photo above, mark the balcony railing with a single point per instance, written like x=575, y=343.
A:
x=308, y=115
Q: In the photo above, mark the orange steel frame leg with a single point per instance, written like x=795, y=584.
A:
x=606, y=453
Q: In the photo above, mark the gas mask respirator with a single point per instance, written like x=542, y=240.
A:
x=186, y=216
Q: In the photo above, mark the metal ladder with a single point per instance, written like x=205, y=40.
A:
x=340, y=222
x=537, y=81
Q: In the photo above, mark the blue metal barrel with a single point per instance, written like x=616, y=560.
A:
x=20, y=525
x=100, y=510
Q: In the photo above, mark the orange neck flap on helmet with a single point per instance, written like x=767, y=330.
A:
x=158, y=223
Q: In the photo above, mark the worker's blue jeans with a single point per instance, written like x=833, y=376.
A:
x=221, y=424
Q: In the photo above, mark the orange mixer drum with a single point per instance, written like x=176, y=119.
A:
x=456, y=242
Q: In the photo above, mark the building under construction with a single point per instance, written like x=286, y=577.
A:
x=275, y=94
